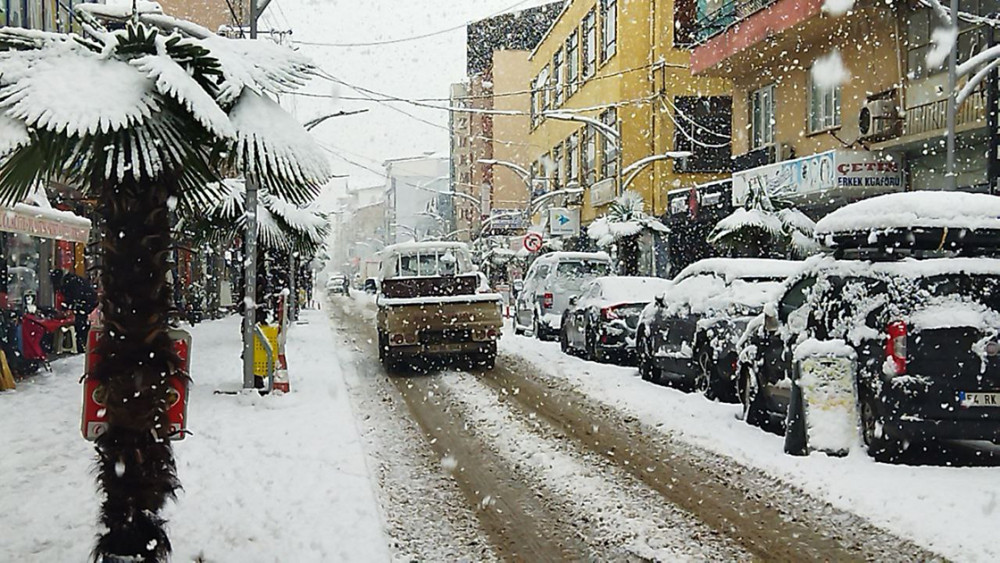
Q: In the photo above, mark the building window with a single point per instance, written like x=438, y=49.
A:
x=824, y=107
x=609, y=29
x=919, y=25
x=535, y=99
x=543, y=90
x=703, y=129
x=609, y=164
x=589, y=150
x=558, y=78
x=762, y=117
x=589, y=44
x=573, y=62
x=558, y=167
x=573, y=158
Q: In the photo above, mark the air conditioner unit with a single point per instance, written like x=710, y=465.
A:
x=878, y=119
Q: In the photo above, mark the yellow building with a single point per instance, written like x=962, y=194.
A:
x=619, y=62
x=852, y=89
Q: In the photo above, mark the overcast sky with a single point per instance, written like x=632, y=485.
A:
x=413, y=69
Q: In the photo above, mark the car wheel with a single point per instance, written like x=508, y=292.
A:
x=796, y=436
x=880, y=447
x=753, y=414
x=383, y=345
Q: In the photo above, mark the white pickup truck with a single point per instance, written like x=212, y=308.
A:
x=433, y=303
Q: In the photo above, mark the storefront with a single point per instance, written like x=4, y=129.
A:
x=34, y=241
x=819, y=183
x=691, y=216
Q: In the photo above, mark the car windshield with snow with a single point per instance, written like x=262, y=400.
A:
x=913, y=327
x=686, y=336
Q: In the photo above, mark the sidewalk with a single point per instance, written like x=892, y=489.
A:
x=279, y=478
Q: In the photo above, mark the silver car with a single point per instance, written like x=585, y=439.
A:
x=548, y=286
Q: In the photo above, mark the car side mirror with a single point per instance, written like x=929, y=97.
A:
x=574, y=300
x=661, y=300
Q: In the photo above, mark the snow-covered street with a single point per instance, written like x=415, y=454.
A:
x=549, y=454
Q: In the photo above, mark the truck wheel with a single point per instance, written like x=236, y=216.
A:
x=383, y=344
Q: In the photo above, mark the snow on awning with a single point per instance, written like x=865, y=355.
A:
x=44, y=223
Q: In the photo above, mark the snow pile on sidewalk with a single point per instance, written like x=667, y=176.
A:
x=265, y=478
x=949, y=510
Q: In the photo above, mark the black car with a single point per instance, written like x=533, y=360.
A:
x=921, y=333
x=687, y=335
x=601, y=322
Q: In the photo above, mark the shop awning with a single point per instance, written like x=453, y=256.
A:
x=44, y=223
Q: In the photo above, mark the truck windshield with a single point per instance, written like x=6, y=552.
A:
x=428, y=264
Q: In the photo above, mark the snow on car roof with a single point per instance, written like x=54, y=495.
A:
x=625, y=289
x=907, y=267
x=555, y=256
x=914, y=209
x=736, y=268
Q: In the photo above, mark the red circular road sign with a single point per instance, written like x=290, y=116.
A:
x=532, y=242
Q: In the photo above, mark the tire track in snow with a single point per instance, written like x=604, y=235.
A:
x=621, y=518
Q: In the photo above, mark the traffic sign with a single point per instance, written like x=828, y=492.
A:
x=533, y=242
x=564, y=221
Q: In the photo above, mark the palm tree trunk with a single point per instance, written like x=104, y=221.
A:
x=136, y=469
x=628, y=250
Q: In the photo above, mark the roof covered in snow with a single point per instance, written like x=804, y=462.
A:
x=954, y=210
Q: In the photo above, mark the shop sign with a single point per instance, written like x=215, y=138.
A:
x=805, y=176
x=602, y=192
x=507, y=219
x=44, y=223
x=564, y=222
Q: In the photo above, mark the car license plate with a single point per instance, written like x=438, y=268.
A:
x=968, y=399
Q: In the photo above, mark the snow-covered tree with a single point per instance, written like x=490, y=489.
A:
x=141, y=115
x=284, y=230
x=759, y=230
x=620, y=228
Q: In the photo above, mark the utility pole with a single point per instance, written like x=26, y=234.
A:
x=250, y=252
x=951, y=178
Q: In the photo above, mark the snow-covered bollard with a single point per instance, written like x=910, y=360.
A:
x=823, y=408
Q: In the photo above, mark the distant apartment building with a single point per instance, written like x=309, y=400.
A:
x=494, y=197
x=418, y=203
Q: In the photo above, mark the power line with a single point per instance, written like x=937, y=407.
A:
x=411, y=38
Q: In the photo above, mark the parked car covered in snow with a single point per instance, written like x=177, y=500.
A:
x=338, y=284
x=431, y=304
x=688, y=334
x=601, y=321
x=548, y=286
x=908, y=306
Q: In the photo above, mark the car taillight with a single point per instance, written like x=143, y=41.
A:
x=609, y=313
x=547, y=301
x=895, y=347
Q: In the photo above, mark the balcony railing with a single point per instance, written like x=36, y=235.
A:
x=933, y=116
x=715, y=22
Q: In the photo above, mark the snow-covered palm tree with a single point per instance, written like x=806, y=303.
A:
x=620, y=228
x=283, y=228
x=142, y=115
x=758, y=230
